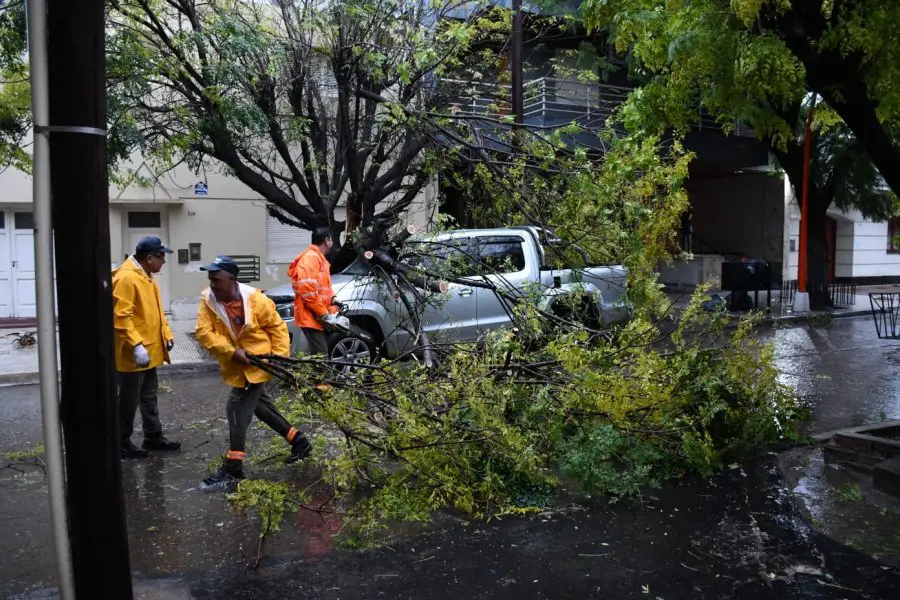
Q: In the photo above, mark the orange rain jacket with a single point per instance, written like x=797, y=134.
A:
x=310, y=276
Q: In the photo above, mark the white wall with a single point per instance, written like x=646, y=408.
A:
x=861, y=245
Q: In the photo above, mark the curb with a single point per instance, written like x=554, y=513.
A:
x=805, y=319
x=822, y=316
x=19, y=379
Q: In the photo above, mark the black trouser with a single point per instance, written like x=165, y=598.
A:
x=318, y=342
x=139, y=389
x=242, y=404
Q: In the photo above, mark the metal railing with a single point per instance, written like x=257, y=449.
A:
x=842, y=294
x=553, y=99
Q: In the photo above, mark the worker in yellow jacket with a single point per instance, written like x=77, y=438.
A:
x=143, y=341
x=237, y=321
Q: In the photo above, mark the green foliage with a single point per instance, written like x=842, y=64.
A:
x=34, y=452
x=15, y=92
x=480, y=438
x=849, y=492
x=268, y=499
x=606, y=461
x=757, y=61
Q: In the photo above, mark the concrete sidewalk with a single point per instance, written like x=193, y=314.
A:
x=19, y=353
x=781, y=313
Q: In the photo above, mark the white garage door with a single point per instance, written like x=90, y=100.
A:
x=6, y=288
x=284, y=243
x=17, y=293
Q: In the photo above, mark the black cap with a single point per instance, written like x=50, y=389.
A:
x=151, y=245
x=222, y=263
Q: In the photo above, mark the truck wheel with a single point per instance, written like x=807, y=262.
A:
x=351, y=350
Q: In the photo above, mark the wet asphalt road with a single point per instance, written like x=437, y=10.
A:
x=741, y=535
x=842, y=370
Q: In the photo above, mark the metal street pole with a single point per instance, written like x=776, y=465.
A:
x=80, y=186
x=801, y=298
x=46, y=311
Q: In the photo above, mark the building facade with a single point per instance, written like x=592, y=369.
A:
x=198, y=216
x=860, y=250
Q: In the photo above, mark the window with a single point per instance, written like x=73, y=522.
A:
x=449, y=257
x=501, y=255
x=145, y=220
x=24, y=220
x=893, y=235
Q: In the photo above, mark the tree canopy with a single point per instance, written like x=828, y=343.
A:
x=15, y=92
x=308, y=103
x=759, y=60
x=760, y=63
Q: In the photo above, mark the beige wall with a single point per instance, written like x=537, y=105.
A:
x=233, y=227
x=231, y=219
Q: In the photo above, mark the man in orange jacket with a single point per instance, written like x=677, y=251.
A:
x=310, y=275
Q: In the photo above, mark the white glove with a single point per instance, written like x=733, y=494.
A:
x=329, y=318
x=141, y=356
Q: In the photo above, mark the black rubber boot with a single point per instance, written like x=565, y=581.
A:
x=300, y=448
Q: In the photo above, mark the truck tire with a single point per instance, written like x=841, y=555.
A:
x=353, y=349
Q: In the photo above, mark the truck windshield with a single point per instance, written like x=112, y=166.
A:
x=357, y=268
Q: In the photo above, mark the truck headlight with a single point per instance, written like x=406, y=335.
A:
x=286, y=311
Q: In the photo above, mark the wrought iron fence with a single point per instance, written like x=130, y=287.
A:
x=843, y=294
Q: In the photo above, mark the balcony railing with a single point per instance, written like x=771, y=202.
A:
x=553, y=102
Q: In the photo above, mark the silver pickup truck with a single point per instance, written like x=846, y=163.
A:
x=512, y=259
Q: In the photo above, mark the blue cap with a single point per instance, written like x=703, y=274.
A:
x=151, y=245
x=222, y=263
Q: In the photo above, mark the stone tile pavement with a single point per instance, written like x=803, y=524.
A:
x=19, y=355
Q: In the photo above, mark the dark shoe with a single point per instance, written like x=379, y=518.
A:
x=162, y=444
x=225, y=480
x=300, y=449
x=129, y=450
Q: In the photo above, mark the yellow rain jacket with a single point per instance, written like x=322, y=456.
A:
x=138, y=317
x=264, y=332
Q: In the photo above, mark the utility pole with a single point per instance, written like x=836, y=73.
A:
x=80, y=188
x=801, y=298
x=515, y=51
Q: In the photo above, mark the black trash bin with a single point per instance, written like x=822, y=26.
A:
x=740, y=277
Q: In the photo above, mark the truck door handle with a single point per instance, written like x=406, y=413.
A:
x=465, y=292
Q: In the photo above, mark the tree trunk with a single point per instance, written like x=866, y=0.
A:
x=817, y=256
x=354, y=213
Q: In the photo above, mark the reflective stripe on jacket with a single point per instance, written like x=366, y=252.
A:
x=264, y=332
x=138, y=317
x=310, y=276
